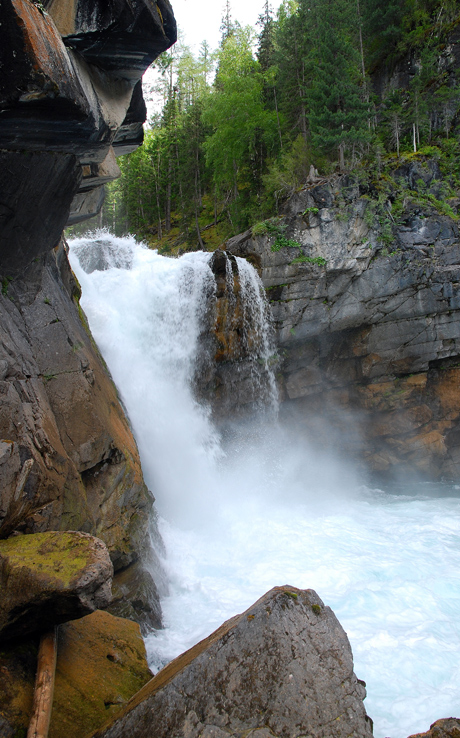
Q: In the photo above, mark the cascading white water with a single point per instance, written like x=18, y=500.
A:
x=240, y=519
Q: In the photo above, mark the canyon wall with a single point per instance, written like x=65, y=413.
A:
x=368, y=333
x=70, y=102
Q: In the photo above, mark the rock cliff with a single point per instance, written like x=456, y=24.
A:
x=368, y=330
x=70, y=102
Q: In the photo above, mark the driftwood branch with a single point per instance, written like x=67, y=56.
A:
x=44, y=686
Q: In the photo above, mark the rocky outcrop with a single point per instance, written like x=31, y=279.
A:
x=368, y=332
x=66, y=95
x=236, y=345
x=135, y=596
x=282, y=668
x=49, y=578
x=101, y=664
x=70, y=102
x=447, y=728
x=68, y=460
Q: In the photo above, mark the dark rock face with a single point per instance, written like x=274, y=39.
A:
x=135, y=596
x=121, y=37
x=50, y=578
x=68, y=459
x=29, y=216
x=283, y=668
x=70, y=101
x=370, y=340
x=66, y=87
x=233, y=373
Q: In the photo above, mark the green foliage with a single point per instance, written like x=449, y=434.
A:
x=271, y=226
x=225, y=152
x=5, y=284
x=282, y=242
x=319, y=260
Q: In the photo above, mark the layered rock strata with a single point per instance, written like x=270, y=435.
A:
x=282, y=668
x=66, y=107
x=368, y=337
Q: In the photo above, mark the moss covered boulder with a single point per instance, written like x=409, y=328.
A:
x=49, y=578
x=101, y=664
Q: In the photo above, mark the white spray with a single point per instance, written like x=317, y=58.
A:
x=267, y=510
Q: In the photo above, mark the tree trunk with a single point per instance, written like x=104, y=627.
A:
x=168, y=200
x=341, y=157
x=44, y=686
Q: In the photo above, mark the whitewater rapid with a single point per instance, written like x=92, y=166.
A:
x=268, y=510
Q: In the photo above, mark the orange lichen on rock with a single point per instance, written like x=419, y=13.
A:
x=101, y=664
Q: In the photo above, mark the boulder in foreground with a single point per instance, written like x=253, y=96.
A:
x=283, y=668
x=446, y=728
x=49, y=578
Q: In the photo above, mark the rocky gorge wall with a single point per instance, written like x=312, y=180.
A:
x=368, y=334
x=70, y=102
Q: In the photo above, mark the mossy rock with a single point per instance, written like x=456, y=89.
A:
x=50, y=578
x=101, y=664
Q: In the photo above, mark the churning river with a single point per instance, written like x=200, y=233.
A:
x=266, y=510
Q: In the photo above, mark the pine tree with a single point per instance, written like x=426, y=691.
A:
x=382, y=28
x=338, y=115
x=227, y=27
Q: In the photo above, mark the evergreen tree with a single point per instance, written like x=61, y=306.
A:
x=337, y=112
x=227, y=27
x=382, y=28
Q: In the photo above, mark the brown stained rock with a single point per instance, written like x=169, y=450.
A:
x=49, y=578
x=446, y=728
x=68, y=460
x=63, y=101
x=101, y=664
x=231, y=374
x=123, y=38
x=282, y=668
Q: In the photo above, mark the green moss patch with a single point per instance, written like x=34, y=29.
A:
x=59, y=556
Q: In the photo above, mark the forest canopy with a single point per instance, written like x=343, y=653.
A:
x=322, y=87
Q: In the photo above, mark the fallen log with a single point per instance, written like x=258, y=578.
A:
x=44, y=686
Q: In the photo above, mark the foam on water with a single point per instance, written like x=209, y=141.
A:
x=267, y=509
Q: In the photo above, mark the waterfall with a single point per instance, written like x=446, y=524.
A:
x=244, y=511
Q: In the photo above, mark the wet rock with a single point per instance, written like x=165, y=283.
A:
x=122, y=38
x=37, y=191
x=68, y=460
x=232, y=373
x=101, y=664
x=135, y=596
x=447, y=728
x=370, y=339
x=49, y=578
x=69, y=86
x=282, y=668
